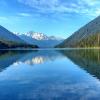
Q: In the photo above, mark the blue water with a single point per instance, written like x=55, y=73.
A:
x=50, y=75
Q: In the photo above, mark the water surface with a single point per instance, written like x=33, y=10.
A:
x=50, y=75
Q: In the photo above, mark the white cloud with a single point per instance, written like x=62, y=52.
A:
x=88, y=7
x=24, y=14
x=36, y=3
x=91, y=2
x=97, y=11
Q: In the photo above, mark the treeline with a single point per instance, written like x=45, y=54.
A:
x=90, y=41
x=10, y=44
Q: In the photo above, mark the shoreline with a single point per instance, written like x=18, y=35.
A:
x=52, y=49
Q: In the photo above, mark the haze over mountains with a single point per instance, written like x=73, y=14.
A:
x=87, y=36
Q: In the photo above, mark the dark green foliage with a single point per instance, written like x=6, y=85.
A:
x=90, y=41
x=11, y=44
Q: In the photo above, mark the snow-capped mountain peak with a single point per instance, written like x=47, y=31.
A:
x=37, y=35
x=40, y=39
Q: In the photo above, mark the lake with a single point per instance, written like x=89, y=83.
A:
x=69, y=74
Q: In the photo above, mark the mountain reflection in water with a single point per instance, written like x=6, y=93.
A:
x=70, y=74
x=16, y=57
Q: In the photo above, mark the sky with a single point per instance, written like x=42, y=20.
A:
x=52, y=17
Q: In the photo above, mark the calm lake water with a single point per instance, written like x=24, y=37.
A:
x=50, y=75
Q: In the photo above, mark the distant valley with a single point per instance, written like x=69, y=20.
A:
x=86, y=37
x=40, y=39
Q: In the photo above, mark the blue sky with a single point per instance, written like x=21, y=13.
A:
x=52, y=17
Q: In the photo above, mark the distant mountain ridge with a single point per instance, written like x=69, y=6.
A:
x=38, y=36
x=40, y=39
x=87, y=36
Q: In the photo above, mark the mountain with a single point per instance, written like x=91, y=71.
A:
x=40, y=39
x=87, y=36
x=10, y=40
